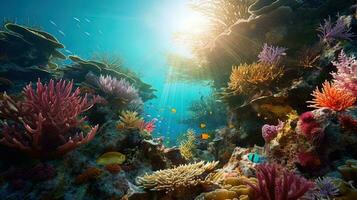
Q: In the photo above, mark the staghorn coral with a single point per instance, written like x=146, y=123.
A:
x=48, y=118
x=332, y=97
x=346, y=75
x=330, y=32
x=246, y=78
x=271, y=55
x=129, y=120
x=188, y=146
x=274, y=182
x=183, y=176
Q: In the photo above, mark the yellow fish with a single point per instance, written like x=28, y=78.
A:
x=202, y=125
x=230, y=126
x=204, y=136
x=111, y=157
x=173, y=110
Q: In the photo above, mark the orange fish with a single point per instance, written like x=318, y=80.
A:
x=204, y=136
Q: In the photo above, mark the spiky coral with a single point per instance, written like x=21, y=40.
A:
x=275, y=183
x=271, y=55
x=183, y=176
x=246, y=78
x=332, y=97
x=187, y=147
x=330, y=32
x=324, y=188
x=48, y=117
x=129, y=120
x=346, y=75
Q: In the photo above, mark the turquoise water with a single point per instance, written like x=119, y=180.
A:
x=141, y=32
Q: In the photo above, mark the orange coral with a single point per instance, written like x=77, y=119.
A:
x=245, y=78
x=91, y=173
x=113, y=168
x=332, y=98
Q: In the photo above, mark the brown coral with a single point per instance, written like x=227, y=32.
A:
x=183, y=176
x=89, y=174
x=113, y=168
x=247, y=78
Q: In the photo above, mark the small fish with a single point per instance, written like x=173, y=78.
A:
x=88, y=34
x=204, y=136
x=68, y=51
x=75, y=18
x=148, y=116
x=87, y=20
x=202, y=125
x=173, y=110
x=230, y=126
x=256, y=158
x=61, y=32
x=53, y=23
x=100, y=32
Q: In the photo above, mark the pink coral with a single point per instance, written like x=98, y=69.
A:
x=271, y=55
x=310, y=128
x=46, y=120
x=269, y=132
x=346, y=75
x=309, y=160
x=276, y=183
x=149, y=127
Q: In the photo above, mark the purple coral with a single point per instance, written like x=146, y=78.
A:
x=346, y=75
x=45, y=122
x=271, y=55
x=276, y=183
x=330, y=32
x=120, y=89
x=269, y=132
x=324, y=189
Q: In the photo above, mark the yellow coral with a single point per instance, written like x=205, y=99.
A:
x=129, y=120
x=246, y=78
x=188, y=146
x=183, y=176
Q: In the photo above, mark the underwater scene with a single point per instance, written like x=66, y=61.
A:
x=178, y=100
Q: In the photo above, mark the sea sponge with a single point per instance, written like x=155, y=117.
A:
x=89, y=174
x=183, y=176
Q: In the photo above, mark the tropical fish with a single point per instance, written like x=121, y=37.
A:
x=53, y=23
x=230, y=126
x=61, y=32
x=87, y=20
x=112, y=157
x=68, y=51
x=173, y=110
x=202, y=125
x=75, y=18
x=204, y=136
x=87, y=33
x=256, y=158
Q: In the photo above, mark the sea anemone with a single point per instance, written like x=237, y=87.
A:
x=271, y=55
x=330, y=32
x=324, y=189
x=346, y=75
x=331, y=97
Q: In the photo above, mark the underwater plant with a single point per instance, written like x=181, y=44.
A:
x=247, y=78
x=346, y=75
x=48, y=117
x=330, y=32
x=129, y=120
x=332, y=97
x=188, y=146
x=271, y=55
x=183, y=176
x=276, y=183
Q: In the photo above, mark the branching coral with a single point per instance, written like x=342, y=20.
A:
x=48, y=117
x=271, y=55
x=183, y=176
x=129, y=120
x=275, y=183
x=246, y=78
x=332, y=97
x=188, y=146
x=330, y=32
x=346, y=75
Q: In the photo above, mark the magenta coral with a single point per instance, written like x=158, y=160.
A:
x=46, y=120
x=310, y=128
x=346, y=75
x=330, y=32
x=309, y=160
x=271, y=55
x=276, y=183
x=269, y=132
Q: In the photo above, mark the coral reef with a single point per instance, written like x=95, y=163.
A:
x=188, y=146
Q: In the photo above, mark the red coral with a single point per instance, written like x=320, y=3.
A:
x=348, y=122
x=48, y=118
x=310, y=128
x=309, y=160
x=275, y=183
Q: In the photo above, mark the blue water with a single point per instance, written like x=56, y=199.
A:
x=139, y=31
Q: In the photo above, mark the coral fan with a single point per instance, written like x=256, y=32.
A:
x=332, y=97
x=246, y=78
x=346, y=75
x=279, y=184
x=129, y=120
x=182, y=176
x=330, y=32
x=271, y=55
x=269, y=132
x=188, y=146
x=49, y=116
